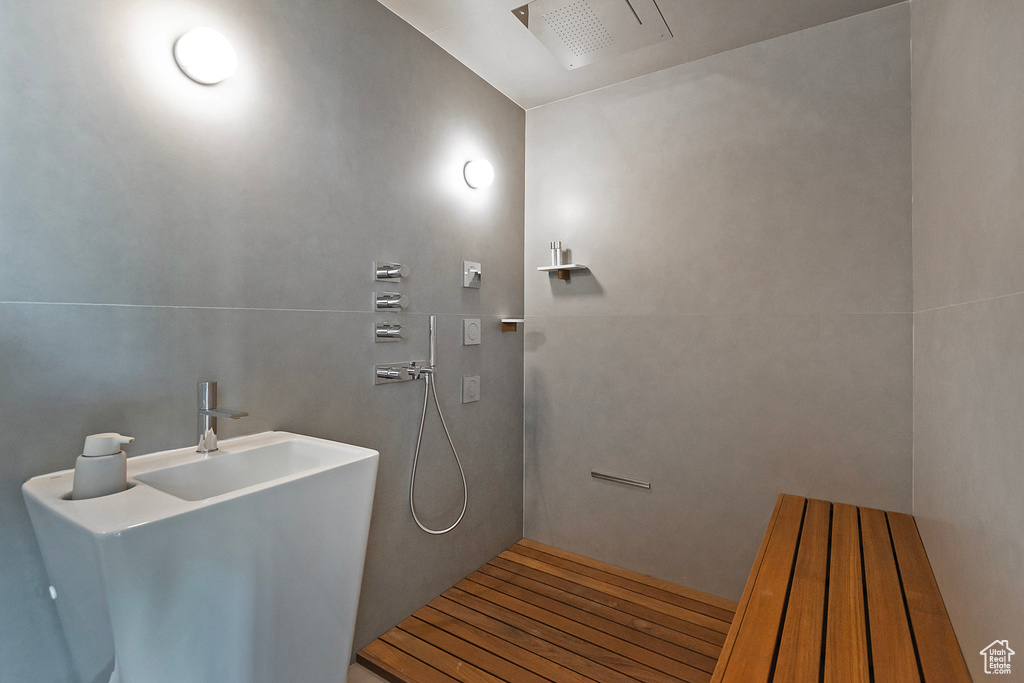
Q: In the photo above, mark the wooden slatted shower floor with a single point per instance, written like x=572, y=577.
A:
x=537, y=614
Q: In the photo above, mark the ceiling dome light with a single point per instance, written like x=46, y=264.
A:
x=479, y=173
x=205, y=56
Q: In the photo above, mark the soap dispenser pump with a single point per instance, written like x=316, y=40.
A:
x=102, y=468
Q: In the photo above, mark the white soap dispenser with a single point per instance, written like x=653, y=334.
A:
x=102, y=467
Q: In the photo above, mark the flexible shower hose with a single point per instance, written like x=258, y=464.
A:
x=429, y=390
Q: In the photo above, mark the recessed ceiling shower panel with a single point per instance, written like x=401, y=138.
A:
x=580, y=32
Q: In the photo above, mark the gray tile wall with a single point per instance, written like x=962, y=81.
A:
x=745, y=327
x=154, y=233
x=969, y=309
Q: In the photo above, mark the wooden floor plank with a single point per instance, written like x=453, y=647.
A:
x=436, y=657
x=543, y=615
x=560, y=655
x=698, y=638
x=585, y=627
x=391, y=663
x=801, y=645
x=645, y=634
x=607, y=666
x=467, y=652
x=711, y=605
x=762, y=619
x=939, y=651
x=623, y=593
x=846, y=644
x=892, y=649
x=503, y=648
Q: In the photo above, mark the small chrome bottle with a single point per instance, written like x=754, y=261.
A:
x=556, y=253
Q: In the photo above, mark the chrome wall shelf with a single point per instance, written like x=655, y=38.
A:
x=563, y=269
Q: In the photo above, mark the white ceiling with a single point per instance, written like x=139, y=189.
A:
x=486, y=37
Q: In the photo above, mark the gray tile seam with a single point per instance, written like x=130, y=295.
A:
x=246, y=308
x=761, y=312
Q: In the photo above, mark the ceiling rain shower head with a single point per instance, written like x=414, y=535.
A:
x=580, y=32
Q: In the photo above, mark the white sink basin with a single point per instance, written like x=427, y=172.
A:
x=226, y=472
x=243, y=566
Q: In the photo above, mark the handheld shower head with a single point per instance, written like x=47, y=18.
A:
x=430, y=389
x=433, y=340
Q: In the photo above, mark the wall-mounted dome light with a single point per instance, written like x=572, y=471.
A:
x=479, y=173
x=205, y=56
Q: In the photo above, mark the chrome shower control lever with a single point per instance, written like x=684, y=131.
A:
x=471, y=274
x=394, y=373
x=389, y=271
x=387, y=332
x=389, y=373
x=390, y=300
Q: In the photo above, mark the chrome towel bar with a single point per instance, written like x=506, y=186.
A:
x=621, y=480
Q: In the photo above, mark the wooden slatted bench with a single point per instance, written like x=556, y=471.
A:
x=840, y=594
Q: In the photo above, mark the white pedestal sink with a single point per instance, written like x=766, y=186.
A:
x=243, y=566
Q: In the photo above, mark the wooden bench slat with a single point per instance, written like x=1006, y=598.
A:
x=759, y=617
x=892, y=649
x=800, y=650
x=846, y=643
x=862, y=575
x=730, y=639
x=941, y=658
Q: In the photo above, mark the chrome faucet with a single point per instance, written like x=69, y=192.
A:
x=206, y=426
